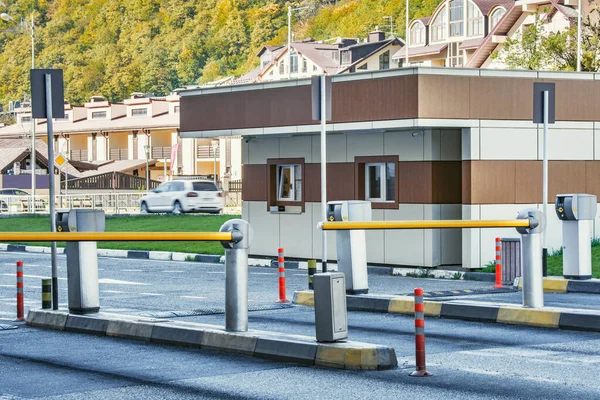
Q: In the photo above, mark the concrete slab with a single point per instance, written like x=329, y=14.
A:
x=236, y=342
x=47, y=319
x=86, y=324
x=283, y=349
x=176, y=335
x=130, y=329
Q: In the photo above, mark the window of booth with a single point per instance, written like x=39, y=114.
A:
x=286, y=182
x=377, y=180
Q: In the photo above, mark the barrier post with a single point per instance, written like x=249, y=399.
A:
x=420, y=334
x=312, y=269
x=20, y=302
x=531, y=256
x=498, y=284
x=281, y=270
x=236, y=274
x=46, y=294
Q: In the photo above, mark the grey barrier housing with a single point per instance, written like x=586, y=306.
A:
x=577, y=213
x=531, y=256
x=331, y=316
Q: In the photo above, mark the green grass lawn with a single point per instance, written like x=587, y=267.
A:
x=145, y=223
x=555, y=263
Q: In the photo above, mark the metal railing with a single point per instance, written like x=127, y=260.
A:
x=207, y=151
x=79, y=155
x=110, y=203
x=119, y=154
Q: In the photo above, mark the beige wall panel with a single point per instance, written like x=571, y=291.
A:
x=336, y=148
x=295, y=147
x=404, y=247
x=245, y=150
x=246, y=211
x=161, y=138
x=432, y=244
x=262, y=149
x=266, y=226
x=370, y=144
x=236, y=159
x=451, y=238
x=376, y=241
x=130, y=146
x=508, y=144
x=404, y=145
x=568, y=144
x=431, y=144
x=89, y=148
x=471, y=238
x=296, y=233
x=316, y=238
x=450, y=144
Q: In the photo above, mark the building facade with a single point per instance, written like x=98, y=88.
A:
x=419, y=143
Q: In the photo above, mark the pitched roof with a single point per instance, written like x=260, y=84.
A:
x=420, y=51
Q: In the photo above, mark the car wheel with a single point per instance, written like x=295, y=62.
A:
x=177, y=209
x=144, y=208
x=3, y=206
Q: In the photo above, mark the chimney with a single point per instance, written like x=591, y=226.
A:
x=96, y=99
x=376, y=35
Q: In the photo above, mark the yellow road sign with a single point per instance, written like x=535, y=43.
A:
x=60, y=160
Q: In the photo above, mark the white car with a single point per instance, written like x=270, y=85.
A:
x=180, y=197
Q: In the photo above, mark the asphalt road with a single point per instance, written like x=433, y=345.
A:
x=469, y=360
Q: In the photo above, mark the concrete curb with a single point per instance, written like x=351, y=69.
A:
x=547, y=317
x=554, y=284
x=275, y=346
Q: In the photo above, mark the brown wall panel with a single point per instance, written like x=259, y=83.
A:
x=566, y=177
x=375, y=99
x=501, y=98
x=443, y=96
x=446, y=182
x=340, y=182
x=466, y=182
x=528, y=182
x=577, y=100
x=415, y=182
x=254, y=187
x=592, y=172
x=493, y=182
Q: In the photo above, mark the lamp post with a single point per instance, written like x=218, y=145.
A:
x=578, y=36
x=147, y=150
x=215, y=144
x=289, y=46
x=391, y=18
x=31, y=28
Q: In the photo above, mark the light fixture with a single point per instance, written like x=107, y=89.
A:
x=417, y=133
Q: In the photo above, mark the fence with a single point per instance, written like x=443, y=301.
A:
x=110, y=180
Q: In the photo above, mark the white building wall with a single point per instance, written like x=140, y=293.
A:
x=188, y=156
x=101, y=146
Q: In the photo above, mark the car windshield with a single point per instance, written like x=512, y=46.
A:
x=204, y=187
x=21, y=193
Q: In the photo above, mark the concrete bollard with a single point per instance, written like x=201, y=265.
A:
x=46, y=294
x=312, y=269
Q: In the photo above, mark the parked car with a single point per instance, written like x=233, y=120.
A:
x=181, y=197
x=21, y=197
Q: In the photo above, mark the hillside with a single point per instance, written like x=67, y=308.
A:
x=116, y=47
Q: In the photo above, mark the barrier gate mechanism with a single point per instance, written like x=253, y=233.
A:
x=529, y=223
x=235, y=235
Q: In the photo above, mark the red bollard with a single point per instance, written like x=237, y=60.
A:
x=498, y=284
x=281, y=269
x=420, y=334
x=20, y=302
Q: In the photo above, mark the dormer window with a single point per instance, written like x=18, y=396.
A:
x=346, y=59
x=439, y=26
x=417, y=34
x=474, y=21
x=65, y=119
x=98, y=114
x=496, y=16
x=139, y=112
x=457, y=16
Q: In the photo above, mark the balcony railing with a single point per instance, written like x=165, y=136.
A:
x=206, y=151
x=118, y=154
x=161, y=152
x=79, y=155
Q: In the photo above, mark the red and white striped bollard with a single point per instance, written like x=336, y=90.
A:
x=420, y=334
x=498, y=284
x=281, y=269
x=20, y=302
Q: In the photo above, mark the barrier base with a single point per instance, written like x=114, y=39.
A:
x=498, y=286
x=421, y=373
x=282, y=301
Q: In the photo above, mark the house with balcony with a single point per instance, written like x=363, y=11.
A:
x=466, y=33
x=125, y=138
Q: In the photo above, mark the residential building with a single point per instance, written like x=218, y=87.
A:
x=419, y=143
x=465, y=33
x=121, y=137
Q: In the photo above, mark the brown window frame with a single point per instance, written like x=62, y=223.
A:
x=359, y=180
x=272, y=199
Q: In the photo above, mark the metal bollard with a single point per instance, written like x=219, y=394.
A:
x=531, y=256
x=420, y=335
x=46, y=294
x=236, y=274
x=498, y=284
x=20, y=302
x=281, y=271
x=312, y=269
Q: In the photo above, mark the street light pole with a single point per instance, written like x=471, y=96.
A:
x=147, y=150
x=579, y=36
x=214, y=148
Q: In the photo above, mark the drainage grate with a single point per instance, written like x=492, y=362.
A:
x=7, y=327
x=213, y=311
x=463, y=292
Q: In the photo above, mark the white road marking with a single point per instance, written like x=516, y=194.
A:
x=263, y=273
x=173, y=271
x=131, y=270
x=111, y=291
x=118, y=282
x=215, y=272
x=152, y=294
x=193, y=297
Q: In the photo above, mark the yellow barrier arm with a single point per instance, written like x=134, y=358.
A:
x=115, y=236
x=431, y=224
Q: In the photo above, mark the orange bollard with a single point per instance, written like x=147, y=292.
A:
x=20, y=302
x=420, y=334
x=281, y=269
x=498, y=284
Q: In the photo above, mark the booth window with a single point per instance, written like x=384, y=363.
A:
x=285, y=182
x=380, y=182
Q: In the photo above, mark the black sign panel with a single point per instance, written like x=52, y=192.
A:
x=38, y=93
x=316, y=98
x=538, y=102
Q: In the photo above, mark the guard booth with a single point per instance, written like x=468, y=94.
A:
x=577, y=213
x=351, y=245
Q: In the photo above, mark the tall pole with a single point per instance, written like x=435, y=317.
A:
x=406, y=40
x=289, y=47
x=33, y=153
x=578, y=43
x=49, y=124
x=215, y=164
x=545, y=184
x=323, y=171
x=147, y=171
